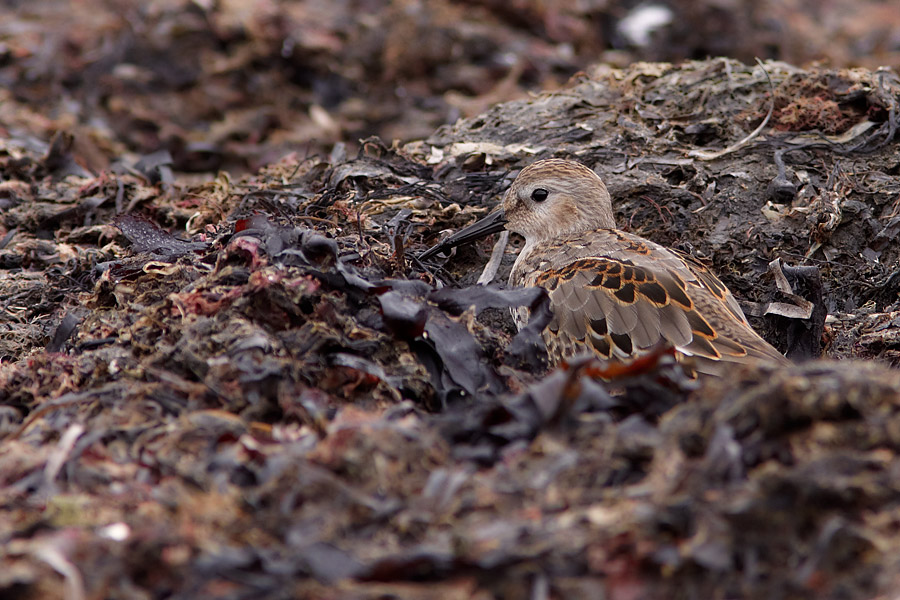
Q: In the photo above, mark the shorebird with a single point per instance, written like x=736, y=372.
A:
x=612, y=293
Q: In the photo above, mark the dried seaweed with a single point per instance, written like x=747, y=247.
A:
x=249, y=386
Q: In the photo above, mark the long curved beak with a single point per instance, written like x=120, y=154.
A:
x=494, y=222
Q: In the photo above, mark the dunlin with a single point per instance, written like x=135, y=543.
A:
x=613, y=293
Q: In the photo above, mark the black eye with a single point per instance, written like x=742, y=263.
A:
x=539, y=195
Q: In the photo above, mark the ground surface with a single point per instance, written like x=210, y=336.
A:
x=247, y=386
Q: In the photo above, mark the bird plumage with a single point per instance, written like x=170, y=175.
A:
x=611, y=292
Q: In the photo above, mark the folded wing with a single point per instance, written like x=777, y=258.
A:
x=630, y=295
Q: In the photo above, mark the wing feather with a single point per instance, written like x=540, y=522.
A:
x=620, y=295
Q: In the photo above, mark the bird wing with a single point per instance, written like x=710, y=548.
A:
x=712, y=284
x=620, y=295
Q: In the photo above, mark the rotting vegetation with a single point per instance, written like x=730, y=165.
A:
x=290, y=403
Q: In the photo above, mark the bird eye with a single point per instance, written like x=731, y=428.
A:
x=539, y=195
